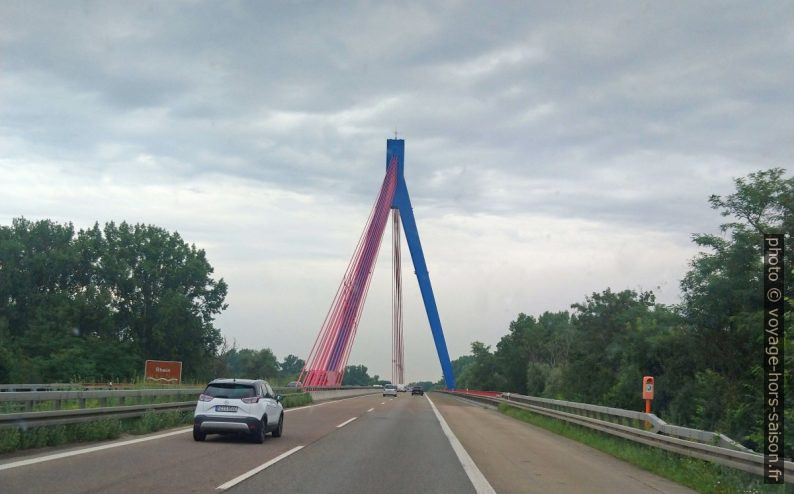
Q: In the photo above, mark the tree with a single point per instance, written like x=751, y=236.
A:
x=94, y=304
x=723, y=305
x=542, y=343
x=459, y=366
x=514, y=350
x=164, y=298
x=291, y=366
x=255, y=364
x=483, y=373
x=356, y=375
x=606, y=324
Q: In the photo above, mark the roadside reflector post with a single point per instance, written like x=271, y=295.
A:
x=647, y=395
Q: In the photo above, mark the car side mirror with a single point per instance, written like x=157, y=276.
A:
x=279, y=398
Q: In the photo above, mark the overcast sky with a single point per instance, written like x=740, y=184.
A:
x=553, y=149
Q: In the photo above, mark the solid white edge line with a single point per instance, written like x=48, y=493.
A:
x=370, y=410
x=478, y=480
x=66, y=454
x=346, y=422
x=251, y=473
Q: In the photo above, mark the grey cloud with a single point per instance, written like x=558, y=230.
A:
x=630, y=113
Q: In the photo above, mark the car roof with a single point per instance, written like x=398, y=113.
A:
x=238, y=381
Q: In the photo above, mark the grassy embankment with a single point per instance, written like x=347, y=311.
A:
x=702, y=476
x=103, y=429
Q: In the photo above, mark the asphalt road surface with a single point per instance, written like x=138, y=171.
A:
x=358, y=445
x=519, y=458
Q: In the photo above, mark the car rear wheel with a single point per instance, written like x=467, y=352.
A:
x=198, y=434
x=280, y=428
x=261, y=430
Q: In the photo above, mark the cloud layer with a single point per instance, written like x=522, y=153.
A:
x=551, y=150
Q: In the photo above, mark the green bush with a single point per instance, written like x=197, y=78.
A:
x=9, y=440
x=98, y=430
x=152, y=421
x=296, y=400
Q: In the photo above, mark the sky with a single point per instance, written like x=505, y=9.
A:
x=553, y=149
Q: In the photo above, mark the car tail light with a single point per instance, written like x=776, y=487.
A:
x=253, y=399
x=203, y=397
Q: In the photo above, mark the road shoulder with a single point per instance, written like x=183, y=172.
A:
x=517, y=457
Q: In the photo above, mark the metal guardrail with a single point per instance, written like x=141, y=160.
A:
x=64, y=407
x=631, y=418
x=36, y=387
x=27, y=400
x=681, y=440
x=61, y=405
x=59, y=417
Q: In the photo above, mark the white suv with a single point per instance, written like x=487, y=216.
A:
x=238, y=405
x=390, y=390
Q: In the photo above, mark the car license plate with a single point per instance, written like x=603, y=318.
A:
x=224, y=408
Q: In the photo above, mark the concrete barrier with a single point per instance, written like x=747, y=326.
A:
x=336, y=394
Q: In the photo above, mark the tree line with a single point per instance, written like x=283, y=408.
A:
x=93, y=304
x=706, y=353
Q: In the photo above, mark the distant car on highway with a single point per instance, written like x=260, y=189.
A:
x=377, y=385
x=417, y=390
x=390, y=390
x=238, y=406
x=295, y=384
x=401, y=388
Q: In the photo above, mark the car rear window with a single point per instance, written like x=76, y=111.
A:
x=230, y=390
x=391, y=386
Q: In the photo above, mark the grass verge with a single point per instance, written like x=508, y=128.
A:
x=103, y=429
x=702, y=476
x=296, y=400
x=96, y=430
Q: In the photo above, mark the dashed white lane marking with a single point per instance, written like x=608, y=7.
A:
x=256, y=470
x=370, y=410
x=478, y=480
x=345, y=422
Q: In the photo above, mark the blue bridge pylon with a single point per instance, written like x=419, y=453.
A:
x=327, y=360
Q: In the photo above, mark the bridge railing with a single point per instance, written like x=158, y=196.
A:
x=629, y=424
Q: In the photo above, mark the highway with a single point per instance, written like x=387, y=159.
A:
x=357, y=445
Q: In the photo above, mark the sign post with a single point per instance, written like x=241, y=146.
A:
x=647, y=395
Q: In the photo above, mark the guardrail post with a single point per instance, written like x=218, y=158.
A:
x=57, y=404
x=81, y=402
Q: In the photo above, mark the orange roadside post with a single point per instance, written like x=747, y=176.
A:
x=647, y=395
